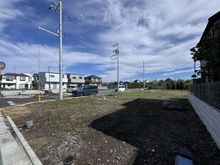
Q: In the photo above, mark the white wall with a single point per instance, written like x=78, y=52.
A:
x=53, y=78
x=17, y=83
x=209, y=115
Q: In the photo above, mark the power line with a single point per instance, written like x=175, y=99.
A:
x=89, y=31
x=79, y=42
x=40, y=3
x=183, y=65
x=71, y=38
x=19, y=18
x=54, y=54
x=24, y=19
x=37, y=24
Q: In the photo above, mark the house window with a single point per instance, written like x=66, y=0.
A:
x=80, y=77
x=9, y=78
x=21, y=86
x=52, y=76
x=22, y=78
x=73, y=77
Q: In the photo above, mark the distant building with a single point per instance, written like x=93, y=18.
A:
x=137, y=81
x=93, y=80
x=161, y=81
x=16, y=81
x=36, y=75
x=168, y=80
x=75, y=79
x=47, y=80
x=50, y=80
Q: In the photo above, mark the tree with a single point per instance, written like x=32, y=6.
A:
x=181, y=86
x=35, y=83
x=208, y=50
x=178, y=85
x=172, y=86
x=167, y=85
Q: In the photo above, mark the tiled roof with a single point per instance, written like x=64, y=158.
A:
x=209, y=25
x=93, y=76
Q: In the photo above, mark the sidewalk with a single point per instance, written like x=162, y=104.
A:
x=13, y=147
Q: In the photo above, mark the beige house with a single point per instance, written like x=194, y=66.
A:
x=93, y=80
x=75, y=79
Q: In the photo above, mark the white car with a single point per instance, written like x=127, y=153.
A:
x=120, y=88
x=70, y=88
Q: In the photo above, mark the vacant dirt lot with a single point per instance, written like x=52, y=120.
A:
x=118, y=128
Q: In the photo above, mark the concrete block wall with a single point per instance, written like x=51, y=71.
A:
x=209, y=115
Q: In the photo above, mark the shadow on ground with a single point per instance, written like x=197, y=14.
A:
x=159, y=132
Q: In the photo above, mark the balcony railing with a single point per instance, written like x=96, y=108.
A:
x=94, y=81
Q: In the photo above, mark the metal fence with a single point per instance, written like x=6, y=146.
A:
x=209, y=92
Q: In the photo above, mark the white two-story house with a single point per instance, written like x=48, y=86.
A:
x=50, y=80
x=16, y=81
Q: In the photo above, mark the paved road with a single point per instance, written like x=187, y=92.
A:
x=10, y=101
x=15, y=100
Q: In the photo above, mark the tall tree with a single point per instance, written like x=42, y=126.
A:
x=208, y=49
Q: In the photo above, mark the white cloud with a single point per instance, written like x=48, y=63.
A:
x=160, y=33
x=6, y=12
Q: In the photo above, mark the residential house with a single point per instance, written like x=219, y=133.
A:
x=75, y=79
x=16, y=81
x=155, y=81
x=168, y=80
x=147, y=81
x=36, y=76
x=212, y=30
x=137, y=81
x=93, y=80
x=50, y=80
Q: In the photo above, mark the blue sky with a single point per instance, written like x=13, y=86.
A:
x=158, y=32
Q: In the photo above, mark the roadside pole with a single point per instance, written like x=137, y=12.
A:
x=114, y=57
x=55, y=8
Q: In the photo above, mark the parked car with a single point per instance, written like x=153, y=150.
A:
x=70, y=88
x=120, y=88
x=85, y=90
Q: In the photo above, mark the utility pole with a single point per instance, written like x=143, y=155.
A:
x=60, y=56
x=49, y=78
x=114, y=57
x=39, y=97
x=58, y=8
x=143, y=76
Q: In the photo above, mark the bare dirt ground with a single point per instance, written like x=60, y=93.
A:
x=116, y=129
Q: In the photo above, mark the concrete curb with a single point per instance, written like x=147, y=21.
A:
x=30, y=153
